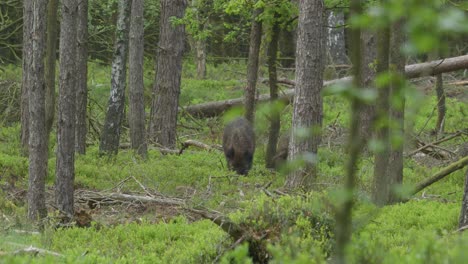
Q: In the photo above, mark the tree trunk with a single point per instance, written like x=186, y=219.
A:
x=26, y=79
x=200, y=50
x=37, y=126
x=51, y=58
x=82, y=78
x=252, y=66
x=441, y=109
x=336, y=49
x=381, y=189
x=397, y=110
x=275, y=124
x=463, y=221
x=110, y=137
x=136, y=88
x=308, y=108
x=65, y=166
x=166, y=90
x=369, y=55
x=354, y=145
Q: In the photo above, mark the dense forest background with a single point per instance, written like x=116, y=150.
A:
x=357, y=159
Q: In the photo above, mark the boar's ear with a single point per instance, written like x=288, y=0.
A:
x=230, y=153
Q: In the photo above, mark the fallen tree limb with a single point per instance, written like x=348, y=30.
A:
x=441, y=174
x=33, y=250
x=112, y=198
x=198, y=144
x=212, y=109
x=434, y=143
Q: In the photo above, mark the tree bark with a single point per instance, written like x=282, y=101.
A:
x=441, y=109
x=336, y=49
x=65, y=166
x=397, y=109
x=82, y=78
x=252, y=66
x=136, y=88
x=381, y=188
x=275, y=124
x=51, y=59
x=37, y=126
x=200, y=50
x=166, y=90
x=212, y=109
x=26, y=79
x=369, y=55
x=308, y=105
x=463, y=221
x=354, y=145
x=110, y=137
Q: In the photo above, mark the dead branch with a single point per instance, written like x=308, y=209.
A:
x=33, y=250
x=441, y=174
x=113, y=198
x=198, y=144
x=432, y=144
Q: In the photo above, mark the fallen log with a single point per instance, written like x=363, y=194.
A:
x=441, y=174
x=212, y=109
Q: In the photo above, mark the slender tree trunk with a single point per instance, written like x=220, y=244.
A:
x=51, y=59
x=37, y=127
x=166, y=90
x=65, y=166
x=354, y=146
x=252, y=66
x=275, y=124
x=200, y=49
x=82, y=78
x=397, y=110
x=336, y=49
x=369, y=55
x=308, y=104
x=110, y=137
x=463, y=221
x=441, y=109
x=136, y=88
x=26, y=79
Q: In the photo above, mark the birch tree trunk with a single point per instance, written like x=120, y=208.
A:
x=336, y=49
x=110, y=137
x=166, y=90
x=65, y=166
x=252, y=66
x=82, y=78
x=308, y=104
x=37, y=126
x=136, y=88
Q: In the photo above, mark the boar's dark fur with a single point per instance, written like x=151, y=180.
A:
x=239, y=145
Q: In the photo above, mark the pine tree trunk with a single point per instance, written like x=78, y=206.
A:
x=82, y=78
x=397, y=111
x=463, y=221
x=51, y=59
x=136, y=88
x=37, y=126
x=252, y=66
x=110, y=137
x=381, y=189
x=200, y=49
x=369, y=55
x=308, y=105
x=26, y=79
x=166, y=90
x=275, y=124
x=65, y=166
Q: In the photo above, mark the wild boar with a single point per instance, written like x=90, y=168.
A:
x=239, y=145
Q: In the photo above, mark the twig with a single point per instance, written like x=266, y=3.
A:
x=143, y=187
